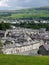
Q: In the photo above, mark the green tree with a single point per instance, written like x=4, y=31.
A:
x=1, y=47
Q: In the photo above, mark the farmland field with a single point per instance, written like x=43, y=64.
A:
x=34, y=13
x=23, y=60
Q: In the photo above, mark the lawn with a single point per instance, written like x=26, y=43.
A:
x=23, y=60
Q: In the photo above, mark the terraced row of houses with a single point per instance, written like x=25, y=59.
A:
x=14, y=21
x=23, y=41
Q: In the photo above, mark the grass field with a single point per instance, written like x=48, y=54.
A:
x=33, y=15
x=23, y=60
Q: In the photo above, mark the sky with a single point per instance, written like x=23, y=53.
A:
x=21, y=4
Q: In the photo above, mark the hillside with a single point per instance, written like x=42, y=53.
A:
x=34, y=13
x=23, y=60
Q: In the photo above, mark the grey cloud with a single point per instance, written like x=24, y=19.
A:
x=18, y=4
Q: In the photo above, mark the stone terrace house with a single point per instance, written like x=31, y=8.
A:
x=18, y=41
x=21, y=48
x=21, y=40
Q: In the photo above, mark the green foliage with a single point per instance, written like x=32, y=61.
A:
x=1, y=48
x=33, y=25
x=23, y=60
x=0, y=44
x=4, y=26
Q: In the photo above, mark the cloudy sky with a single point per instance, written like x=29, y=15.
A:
x=20, y=4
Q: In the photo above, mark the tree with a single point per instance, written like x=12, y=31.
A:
x=4, y=26
x=1, y=48
x=42, y=50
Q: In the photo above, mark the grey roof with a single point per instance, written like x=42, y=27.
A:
x=46, y=46
x=1, y=31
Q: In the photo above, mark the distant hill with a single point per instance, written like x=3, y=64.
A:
x=42, y=12
x=25, y=10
